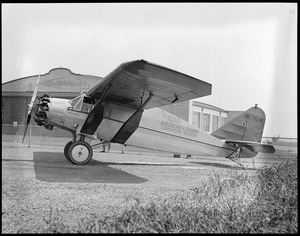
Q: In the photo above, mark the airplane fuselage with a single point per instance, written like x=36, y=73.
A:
x=157, y=129
x=123, y=108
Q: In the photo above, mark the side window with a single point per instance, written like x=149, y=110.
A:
x=86, y=107
x=82, y=103
x=88, y=104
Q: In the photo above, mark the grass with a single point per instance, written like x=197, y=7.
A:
x=263, y=202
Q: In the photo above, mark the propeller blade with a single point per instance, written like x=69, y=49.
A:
x=31, y=107
x=26, y=127
x=27, y=123
x=34, y=94
x=28, y=118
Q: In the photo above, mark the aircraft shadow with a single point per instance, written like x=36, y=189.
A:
x=220, y=165
x=54, y=167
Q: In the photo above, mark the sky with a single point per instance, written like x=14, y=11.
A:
x=247, y=51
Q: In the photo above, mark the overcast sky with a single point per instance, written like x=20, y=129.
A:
x=248, y=52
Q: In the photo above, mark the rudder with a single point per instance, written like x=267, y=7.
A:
x=248, y=126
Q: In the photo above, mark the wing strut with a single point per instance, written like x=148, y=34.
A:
x=96, y=116
x=131, y=124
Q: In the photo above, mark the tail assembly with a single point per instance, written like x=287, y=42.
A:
x=248, y=126
x=244, y=133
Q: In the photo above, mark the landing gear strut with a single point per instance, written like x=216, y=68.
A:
x=236, y=159
x=78, y=152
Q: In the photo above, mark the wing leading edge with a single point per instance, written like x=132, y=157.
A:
x=133, y=82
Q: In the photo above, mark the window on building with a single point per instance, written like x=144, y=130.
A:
x=206, y=122
x=196, y=119
x=215, y=123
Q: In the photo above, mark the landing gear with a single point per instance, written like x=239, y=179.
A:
x=66, y=149
x=236, y=159
x=78, y=152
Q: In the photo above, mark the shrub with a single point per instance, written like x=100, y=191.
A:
x=263, y=202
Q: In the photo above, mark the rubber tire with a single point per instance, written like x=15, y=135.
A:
x=66, y=149
x=77, y=148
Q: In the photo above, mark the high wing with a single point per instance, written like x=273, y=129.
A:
x=140, y=85
x=253, y=146
x=133, y=82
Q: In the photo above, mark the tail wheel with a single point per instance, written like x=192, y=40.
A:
x=79, y=153
x=66, y=149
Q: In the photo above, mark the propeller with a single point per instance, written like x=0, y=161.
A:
x=30, y=106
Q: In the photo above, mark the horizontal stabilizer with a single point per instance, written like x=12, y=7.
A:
x=253, y=146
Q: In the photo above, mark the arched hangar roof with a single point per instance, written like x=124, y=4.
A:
x=60, y=82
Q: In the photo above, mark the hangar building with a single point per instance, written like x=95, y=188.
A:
x=63, y=83
x=59, y=82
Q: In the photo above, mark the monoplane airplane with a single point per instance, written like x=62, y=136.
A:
x=124, y=108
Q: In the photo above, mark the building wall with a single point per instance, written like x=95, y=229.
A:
x=14, y=109
x=203, y=116
x=58, y=80
x=207, y=119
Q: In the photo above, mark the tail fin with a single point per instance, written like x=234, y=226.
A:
x=248, y=126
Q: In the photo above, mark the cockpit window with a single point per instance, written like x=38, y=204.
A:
x=75, y=101
x=88, y=104
x=83, y=103
x=78, y=105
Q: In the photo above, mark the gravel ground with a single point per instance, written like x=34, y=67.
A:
x=27, y=204
x=39, y=185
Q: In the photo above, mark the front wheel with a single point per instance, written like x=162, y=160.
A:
x=79, y=153
x=66, y=149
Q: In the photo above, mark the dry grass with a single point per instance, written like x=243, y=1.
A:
x=264, y=202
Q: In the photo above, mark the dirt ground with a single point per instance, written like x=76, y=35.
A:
x=39, y=184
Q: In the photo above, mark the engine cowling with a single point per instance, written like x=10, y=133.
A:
x=51, y=112
x=40, y=112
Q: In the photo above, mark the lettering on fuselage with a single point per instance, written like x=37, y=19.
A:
x=254, y=118
x=173, y=119
x=172, y=124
